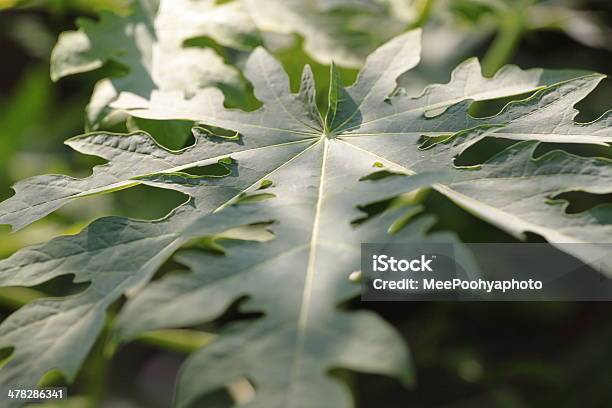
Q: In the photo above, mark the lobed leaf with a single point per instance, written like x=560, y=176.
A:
x=307, y=172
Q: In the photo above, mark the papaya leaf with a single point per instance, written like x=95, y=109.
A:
x=306, y=173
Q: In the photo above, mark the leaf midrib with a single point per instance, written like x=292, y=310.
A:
x=302, y=322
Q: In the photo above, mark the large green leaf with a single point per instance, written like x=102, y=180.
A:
x=150, y=44
x=306, y=170
x=287, y=353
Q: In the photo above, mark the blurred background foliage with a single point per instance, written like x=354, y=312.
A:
x=466, y=355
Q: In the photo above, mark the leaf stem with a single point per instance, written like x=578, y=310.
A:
x=177, y=340
x=15, y=297
x=511, y=29
x=96, y=371
x=424, y=8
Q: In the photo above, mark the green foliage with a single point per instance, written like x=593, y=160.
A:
x=278, y=196
x=160, y=39
x=118, y=6
x=304, y=175
x=149, y=45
